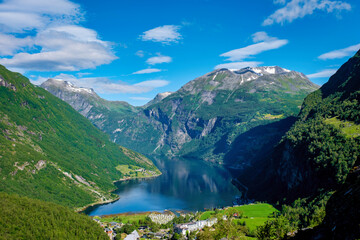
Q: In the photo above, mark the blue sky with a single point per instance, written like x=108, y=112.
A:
x=132, y=50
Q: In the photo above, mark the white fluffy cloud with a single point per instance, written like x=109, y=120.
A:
x=56, y=42
x=165, y=34
x=300, y=8
x=141, y=98
x=152, y=83
x=263, y=43
x=104, y=85
x=140, y=53
x=22, y=15
x=322, y=74
x=238, y=65
x=261, y=36
x=9, y=44
x=65, y=48
x=345, y=52
x=148, y=70
x=158, y=59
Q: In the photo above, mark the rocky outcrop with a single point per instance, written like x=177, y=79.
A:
x=81, y=99
x=6, y=84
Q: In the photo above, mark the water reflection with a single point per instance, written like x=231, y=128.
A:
x=184, y=185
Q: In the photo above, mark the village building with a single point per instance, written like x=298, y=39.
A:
x=161, y=218
x=132, y=236
x=109, y=232
x=194, y=226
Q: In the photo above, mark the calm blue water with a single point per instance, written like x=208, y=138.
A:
x=184, y=185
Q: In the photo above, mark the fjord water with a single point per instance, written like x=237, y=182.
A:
x=185, y=184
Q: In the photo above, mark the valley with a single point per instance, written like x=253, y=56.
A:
x=252, y=151
x=178, y=180
x=179, y=120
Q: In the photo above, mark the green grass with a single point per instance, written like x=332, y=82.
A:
x=132, y=171
x=253, y=223
x=350, y=129
x=125, y=218
x=254, y=215
x=257, y=210
x=260, y=210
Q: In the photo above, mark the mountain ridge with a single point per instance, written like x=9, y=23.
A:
x=200, y=113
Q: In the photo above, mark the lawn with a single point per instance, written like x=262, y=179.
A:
x=350, y=129
x=253, y=214
x=257, y=210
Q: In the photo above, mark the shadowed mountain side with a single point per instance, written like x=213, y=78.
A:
x=342, y=220
x=345, y=80
x=256, y=144
x=321, y=147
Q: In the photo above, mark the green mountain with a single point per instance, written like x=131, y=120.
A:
x=321, y=147
x=318, y=156
x=203, y=118
x=25, y=218
x=50, y=152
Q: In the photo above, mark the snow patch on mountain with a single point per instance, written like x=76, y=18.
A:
x=70, y=86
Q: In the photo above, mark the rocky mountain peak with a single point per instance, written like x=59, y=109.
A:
x=158, y=98
x=67, y=86
x=230, y=79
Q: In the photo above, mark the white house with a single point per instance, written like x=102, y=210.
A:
x=133, y=236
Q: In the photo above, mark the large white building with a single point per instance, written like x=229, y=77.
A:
x=194, y=226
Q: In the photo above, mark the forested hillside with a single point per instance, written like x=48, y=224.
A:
x=25, y=218
x=317, y=157
x=49, y=151
x=321, y=148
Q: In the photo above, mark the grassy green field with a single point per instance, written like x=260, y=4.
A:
x=124, y=218
x=350, y=129
x=132, y=171
x=253, y=214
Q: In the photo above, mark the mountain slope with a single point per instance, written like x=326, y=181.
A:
x=50, y=152
x=201, y=119
x=25, y=218
x=321, y=148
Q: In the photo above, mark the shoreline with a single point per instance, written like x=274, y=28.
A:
x=128, y=214
x=165, y=211
x=84, y=208
x=133, y=178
